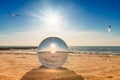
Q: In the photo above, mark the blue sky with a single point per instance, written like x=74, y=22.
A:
x=83, y=22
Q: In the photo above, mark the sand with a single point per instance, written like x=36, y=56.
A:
x=23, y=66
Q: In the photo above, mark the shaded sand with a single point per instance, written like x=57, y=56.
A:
x=23, y=66
x=43, y=73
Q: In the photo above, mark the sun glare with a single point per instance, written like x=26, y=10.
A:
x=52, y=20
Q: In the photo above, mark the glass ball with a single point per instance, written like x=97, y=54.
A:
x=52, y=52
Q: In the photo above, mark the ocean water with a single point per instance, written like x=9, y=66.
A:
x=96, y=49
x=77, y=49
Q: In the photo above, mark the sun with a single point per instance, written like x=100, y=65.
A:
x=52, y=20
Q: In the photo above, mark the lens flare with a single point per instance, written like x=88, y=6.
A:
x=51, y=20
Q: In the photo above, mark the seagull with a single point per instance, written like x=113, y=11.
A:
x=12, y=14
x=108, y=29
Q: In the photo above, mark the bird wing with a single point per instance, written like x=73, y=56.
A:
x=9, y=13
x=12, y=14
x=17, y=15
x=109, y=27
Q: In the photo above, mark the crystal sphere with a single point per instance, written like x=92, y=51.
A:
x=52, y=52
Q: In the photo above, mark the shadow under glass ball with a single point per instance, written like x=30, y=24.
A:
x=52, y=52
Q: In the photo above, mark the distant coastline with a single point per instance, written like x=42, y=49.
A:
x=17, y=47
x=74, y=49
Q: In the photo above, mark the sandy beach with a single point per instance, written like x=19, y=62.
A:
x=24, y=66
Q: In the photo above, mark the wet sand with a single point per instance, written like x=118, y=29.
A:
x=23, y=66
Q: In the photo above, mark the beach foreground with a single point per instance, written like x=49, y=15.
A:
x=23, y=66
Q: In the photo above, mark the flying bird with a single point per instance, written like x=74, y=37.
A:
x=12, y=14
x=108, y=29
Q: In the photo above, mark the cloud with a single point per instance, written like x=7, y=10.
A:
x=2, y=36
x=76, y=38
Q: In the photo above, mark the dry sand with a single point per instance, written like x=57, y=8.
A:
x=23, y=66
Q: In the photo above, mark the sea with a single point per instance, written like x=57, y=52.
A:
x=96, y=49
x=74, y=49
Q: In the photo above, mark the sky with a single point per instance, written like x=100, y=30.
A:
x=77, y=22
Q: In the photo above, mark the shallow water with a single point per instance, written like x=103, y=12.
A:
x=96, y=49
x=78, y=49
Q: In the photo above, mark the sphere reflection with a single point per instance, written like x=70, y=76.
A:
x=52, y=52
